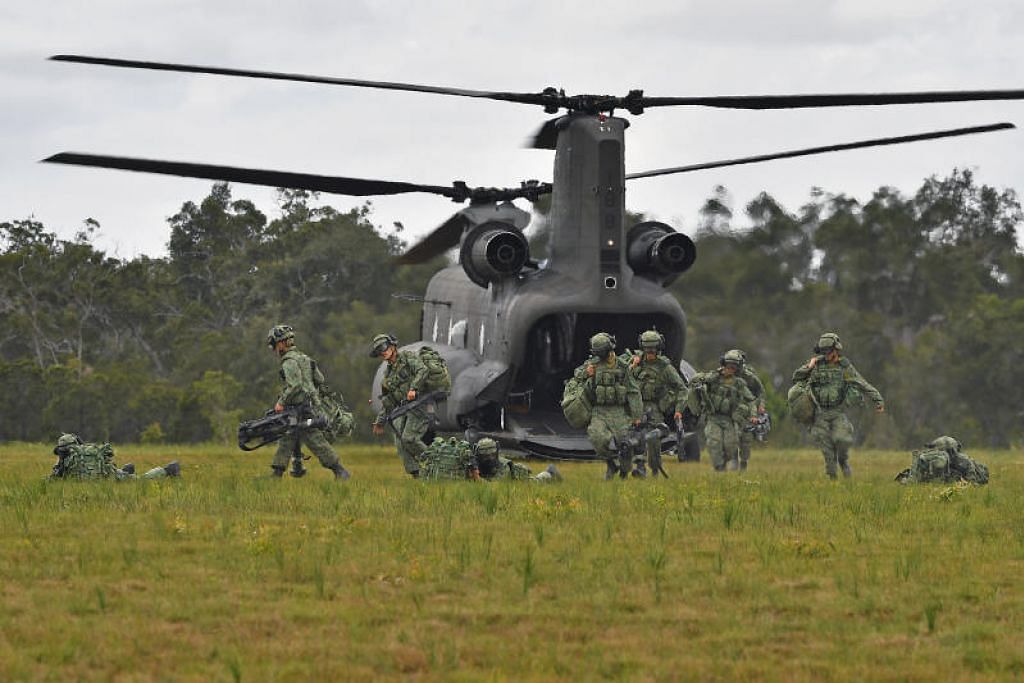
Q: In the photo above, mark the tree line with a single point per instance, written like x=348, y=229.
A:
x=927, y=292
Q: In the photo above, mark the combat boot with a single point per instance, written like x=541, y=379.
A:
x=847, y=472
x=340, y=472
x=551, y=473
x=275, y=473
x=173, y=469
x=298, y=470
x=128, y=468
x=640, y=471
x=743, y=465
x=733, y=464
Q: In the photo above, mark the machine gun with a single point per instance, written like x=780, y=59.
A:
x=273, y=426
x=761, y=427
x=686, y=428
x=635, y=441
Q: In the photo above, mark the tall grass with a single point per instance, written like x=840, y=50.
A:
x=768, y=574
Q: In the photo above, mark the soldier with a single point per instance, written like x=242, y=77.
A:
x=662, y=390
x=746, y=434
x=943, y=460
x=725, y=401
x=609, y=385
x=78, y=460
x=403, y=379
x=301, y=380
x=830, y=378
x=492, y=466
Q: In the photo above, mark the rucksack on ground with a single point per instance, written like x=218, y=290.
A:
x=438, y=378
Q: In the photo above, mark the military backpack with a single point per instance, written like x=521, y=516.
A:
x=438, y=378
x=802, y=405
x=340, y=420
x=576, y=404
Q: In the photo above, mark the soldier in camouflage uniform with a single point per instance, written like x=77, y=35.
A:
x=301, y=380
x=662, y=390
x=77, y=460
x=403, y=379
x=615, y=397
x=833, y=381
x=943, y=460
x=492, y=466
x=746, y=434
x=725, y=401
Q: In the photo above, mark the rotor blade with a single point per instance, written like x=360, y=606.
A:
x=358, y=187
x=838, y=100
x=524, y=98
x=443, y=238
x=821, y=150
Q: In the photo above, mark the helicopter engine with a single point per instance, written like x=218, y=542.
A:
x=493, y=251
x=656, y=251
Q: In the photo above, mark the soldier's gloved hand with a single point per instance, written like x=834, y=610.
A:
x=411, y=395
x=635, y=362
x=278, y=408
x=378, y=429
x=753, y=420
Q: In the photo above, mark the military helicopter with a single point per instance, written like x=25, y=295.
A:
x=511, y=328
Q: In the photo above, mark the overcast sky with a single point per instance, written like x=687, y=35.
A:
x=671, y=47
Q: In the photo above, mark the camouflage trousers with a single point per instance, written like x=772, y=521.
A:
x=409, y=430
x=606, y=423
x=746, y=438
x=832, y=432
x=722, y=439
x=313, y=439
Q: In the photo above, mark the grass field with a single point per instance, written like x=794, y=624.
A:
x=773, y=574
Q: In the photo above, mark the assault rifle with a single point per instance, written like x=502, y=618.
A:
x=272, y=426
x=761, y=427
x=421, y=400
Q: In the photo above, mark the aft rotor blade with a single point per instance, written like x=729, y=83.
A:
x=357, y=187
x=835, y=100
x=524, y=98
x=879, y=142
x=443, y=238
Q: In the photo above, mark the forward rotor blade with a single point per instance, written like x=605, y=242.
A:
x=837, y=100
x=879, y=142
x=524, y=98
x=443, y=238
x=357, y=187
x=546, y=136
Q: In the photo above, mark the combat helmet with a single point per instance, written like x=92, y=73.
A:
x=945, y=443
x=827, y=342
x=652, y=339
x=732, y=357
x=279, y=333
x=381, y=342
x=487, y=446
x=65, y=441
x=601, y=344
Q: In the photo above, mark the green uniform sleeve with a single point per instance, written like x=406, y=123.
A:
x=675, y=384
x=801, y=373
x=292, y=393
x=851, y=376
x=749, y=405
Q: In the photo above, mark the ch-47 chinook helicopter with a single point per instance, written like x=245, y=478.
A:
x=512, y=329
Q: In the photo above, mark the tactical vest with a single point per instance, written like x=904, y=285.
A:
x=89, y=461
x=724, y=396
x=648, y=376
x=398, y=377
x=828, y=382
x=451, y=459
x=610, y=384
